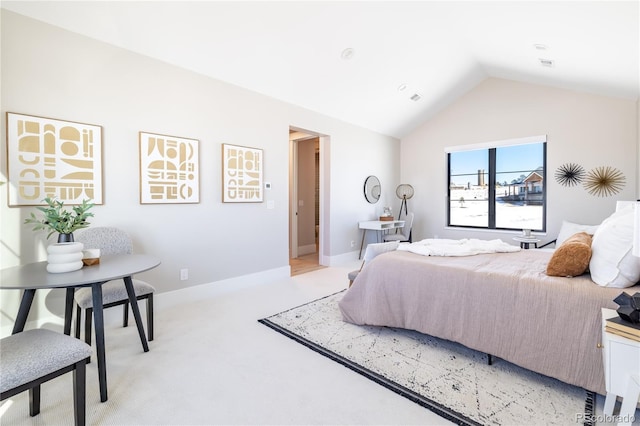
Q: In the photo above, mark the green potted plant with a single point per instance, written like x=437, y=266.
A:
x=58, y=219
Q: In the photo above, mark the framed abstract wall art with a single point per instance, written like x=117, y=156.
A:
x=242, y=169
x=53, y=158
x=169, y=169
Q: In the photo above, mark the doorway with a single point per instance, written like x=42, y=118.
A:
x=305, y=214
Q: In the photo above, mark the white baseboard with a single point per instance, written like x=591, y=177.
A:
x=175, y=297
x=342, y=259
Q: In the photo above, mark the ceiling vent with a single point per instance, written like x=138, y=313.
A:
x=546, y=62
x=415, y=97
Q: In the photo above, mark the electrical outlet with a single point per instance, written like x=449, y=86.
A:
x=184, y=274
x=353, y=243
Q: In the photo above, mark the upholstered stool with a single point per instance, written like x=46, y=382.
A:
x=373, y=250
x=33, y=357
x=353, y=274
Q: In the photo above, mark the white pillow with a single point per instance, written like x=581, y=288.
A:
x=612, y=264
x=568, y=229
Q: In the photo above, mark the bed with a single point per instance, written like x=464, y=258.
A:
x=503, y=304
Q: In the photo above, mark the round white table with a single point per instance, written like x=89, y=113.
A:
x=525, y=241
x=34, y=276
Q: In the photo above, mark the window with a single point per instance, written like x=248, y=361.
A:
x=499, y=185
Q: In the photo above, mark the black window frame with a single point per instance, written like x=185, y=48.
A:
x=491, y=224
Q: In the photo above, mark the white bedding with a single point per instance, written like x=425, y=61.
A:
x=463, y=247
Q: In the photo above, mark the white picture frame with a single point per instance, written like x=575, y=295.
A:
x=242, y=174
x=54, y=158
x=169, y=169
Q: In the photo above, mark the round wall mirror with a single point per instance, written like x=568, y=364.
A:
x=372, y=189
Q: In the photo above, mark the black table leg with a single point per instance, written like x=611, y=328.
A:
x=68, y=310
x=98, y=320
x=23, y=311
x=128, y=284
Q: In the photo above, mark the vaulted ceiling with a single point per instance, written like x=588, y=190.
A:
x=364, y=61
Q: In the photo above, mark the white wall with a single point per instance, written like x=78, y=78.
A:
x=50, y=72
x=585, y=129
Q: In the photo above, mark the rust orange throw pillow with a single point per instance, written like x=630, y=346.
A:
x=572, y=257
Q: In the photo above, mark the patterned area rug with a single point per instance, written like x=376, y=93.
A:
x=455, y=382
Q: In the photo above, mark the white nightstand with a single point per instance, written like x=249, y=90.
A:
x=526, y=241
x=621, y=371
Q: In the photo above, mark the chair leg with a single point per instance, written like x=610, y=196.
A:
x=125, y=314
x=34, y=401
x=150, y=317
x=79, y=393
x=88, y=315
x=78, y=317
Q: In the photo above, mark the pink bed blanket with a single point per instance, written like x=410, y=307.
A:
x=502, y=304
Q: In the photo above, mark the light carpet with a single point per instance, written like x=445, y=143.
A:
x=212, y=363
x=448, y=378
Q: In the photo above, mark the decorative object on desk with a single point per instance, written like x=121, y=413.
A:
x=241, y=174
x=569, y=174
x=604, y=181
x=372, y=189
x=169, y=169
x=386, y=214
x=404, y=191
x=64, y=257
x=52, y=157
x=57, y=219
x=629, y=307
x=91, y=256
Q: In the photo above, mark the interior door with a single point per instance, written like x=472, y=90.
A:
x=293, y=197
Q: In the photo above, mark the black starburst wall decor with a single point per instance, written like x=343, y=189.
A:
x=569, y=174
x=604, y=181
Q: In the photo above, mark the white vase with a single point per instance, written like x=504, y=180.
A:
x=64, y=257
